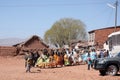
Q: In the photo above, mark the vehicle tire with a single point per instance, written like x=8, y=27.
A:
x=112, y=70
x=102, y=72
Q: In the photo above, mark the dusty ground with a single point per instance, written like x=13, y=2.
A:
x=13, y=69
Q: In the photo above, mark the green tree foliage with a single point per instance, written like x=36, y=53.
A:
x=65, y=30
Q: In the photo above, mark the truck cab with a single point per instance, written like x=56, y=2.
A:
x=109, y=66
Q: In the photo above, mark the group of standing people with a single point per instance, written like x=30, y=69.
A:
x=51, y=58
x=63, y=57
x=58, y=57
x=93, y=54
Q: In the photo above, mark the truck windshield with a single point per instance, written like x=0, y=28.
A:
x=117, y=54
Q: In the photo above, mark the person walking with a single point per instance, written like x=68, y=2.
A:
x=29, y=61
x=101, y=54
x=89, y=61
x=93, y=56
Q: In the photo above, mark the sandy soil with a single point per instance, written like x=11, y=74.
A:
x=12, y=68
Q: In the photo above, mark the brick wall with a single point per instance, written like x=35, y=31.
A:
x=7, y=51
x=101, y=35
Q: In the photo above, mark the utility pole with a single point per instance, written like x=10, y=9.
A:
x=116, y=7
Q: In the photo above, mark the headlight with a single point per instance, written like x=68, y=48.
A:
x=101, y=61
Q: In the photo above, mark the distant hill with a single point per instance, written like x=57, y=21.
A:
x=10, y=41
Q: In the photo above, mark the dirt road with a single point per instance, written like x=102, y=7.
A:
x=13, y=69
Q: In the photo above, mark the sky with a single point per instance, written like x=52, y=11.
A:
x=24, y=18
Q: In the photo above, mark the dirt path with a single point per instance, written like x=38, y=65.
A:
x=13, y=69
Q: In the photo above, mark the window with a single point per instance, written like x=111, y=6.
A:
x=119, y=54
x=118, y=39
x=91, y=37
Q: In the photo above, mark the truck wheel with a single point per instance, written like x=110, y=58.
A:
x=112, y=70
x=102, y=72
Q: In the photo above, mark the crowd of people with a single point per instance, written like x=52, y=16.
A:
x=51, y=58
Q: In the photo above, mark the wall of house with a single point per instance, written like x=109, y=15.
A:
x=7, y=51
x=101, y=36
x=35, y=44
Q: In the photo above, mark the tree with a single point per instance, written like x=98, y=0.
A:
x=65, y=30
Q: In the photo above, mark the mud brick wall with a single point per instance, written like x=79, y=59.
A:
x=35, y=45
x=7, y=51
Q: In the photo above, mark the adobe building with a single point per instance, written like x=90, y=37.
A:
x=99, y=36
x=34, y=42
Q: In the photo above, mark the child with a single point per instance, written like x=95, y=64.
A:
x=29, y=62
